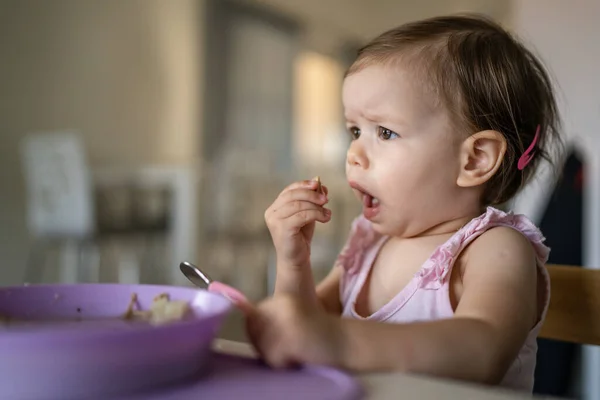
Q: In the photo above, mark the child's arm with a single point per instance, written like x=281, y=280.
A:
x=328, y=291
x=497, y=309
x=297, y=281
x=291, y=221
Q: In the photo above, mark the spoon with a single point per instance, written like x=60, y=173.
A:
x=201, y=279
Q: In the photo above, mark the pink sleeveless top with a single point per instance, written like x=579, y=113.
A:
x=426, y=297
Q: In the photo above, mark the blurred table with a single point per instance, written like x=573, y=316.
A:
x=380, y=386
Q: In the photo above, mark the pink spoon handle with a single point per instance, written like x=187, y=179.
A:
x=234, y=295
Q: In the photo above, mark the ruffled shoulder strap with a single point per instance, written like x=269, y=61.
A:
x=494, y=217
x=362, y=236
x=440, y=264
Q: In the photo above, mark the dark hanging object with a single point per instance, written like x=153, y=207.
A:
x=562, y=226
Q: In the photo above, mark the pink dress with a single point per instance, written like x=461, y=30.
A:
x=426, y=297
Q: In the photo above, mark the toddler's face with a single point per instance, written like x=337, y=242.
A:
x=403, y=161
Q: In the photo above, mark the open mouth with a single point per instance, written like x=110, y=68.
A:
x=370, y=202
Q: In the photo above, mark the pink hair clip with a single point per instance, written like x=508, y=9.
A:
x=529, y=153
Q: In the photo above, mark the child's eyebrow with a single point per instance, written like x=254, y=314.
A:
x=390, y=118
x=351, y=115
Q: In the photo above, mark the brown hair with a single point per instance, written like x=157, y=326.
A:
x=485, y=79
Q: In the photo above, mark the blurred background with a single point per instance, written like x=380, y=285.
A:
x=135, y=134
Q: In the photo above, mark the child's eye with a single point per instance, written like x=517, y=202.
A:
x=354, y=132
x=386, y=134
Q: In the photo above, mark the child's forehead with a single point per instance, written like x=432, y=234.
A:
x=377, y=90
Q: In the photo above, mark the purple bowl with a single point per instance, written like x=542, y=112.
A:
x=102, y=358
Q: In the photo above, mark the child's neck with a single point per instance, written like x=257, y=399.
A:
x=452, y=225
x=447, y=227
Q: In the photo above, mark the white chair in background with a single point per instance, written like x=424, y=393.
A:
x=60, y=205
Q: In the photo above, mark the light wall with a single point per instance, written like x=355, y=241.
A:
x=128, y=76
x=330, y=24
x=125, y=74
x=319, y=132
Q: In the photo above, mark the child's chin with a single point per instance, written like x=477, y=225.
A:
x=388, y=229
x=383, y=229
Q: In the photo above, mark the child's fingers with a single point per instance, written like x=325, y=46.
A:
x=254, y=327
x=266, y=337
x=305, y=208
x=289, y=202
x=260, y=331
x=302, y=194
x=234, y=295
x=305, y=217
x=304, y=197
x=305, y=184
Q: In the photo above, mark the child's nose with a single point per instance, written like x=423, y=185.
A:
x=357, y=156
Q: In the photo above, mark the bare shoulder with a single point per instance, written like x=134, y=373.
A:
x=499, y=284
x=502, y=245
x=499, y=275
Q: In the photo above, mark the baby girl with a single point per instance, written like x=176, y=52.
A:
x=449, y=117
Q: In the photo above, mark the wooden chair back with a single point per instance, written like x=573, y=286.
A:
x=574, y=311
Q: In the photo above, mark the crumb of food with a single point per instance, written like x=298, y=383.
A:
x=161, y=311
x=129, y=313
x=319, y=186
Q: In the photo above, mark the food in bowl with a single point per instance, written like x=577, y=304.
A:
x=162, y=311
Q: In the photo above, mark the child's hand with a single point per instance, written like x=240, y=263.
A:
x=291, y=221
x=286, y=331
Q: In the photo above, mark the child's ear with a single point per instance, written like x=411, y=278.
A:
x=480, y=157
